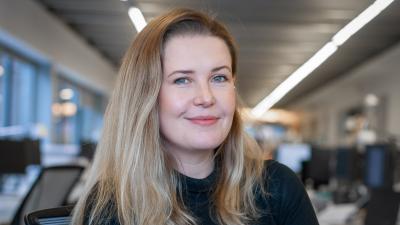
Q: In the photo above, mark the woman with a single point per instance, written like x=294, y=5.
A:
x=173, y=150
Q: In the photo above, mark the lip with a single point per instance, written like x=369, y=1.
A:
x=203, y=120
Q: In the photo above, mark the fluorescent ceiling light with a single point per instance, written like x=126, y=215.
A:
x=371, y=100
x=303, y=71
x=66, y=94
x=295, y=78
x=357, y=23
x=137, y=18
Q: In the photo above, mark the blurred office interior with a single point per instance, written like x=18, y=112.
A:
x=338, y=127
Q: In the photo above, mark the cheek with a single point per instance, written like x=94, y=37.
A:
x=171, y=104
x=229, y=103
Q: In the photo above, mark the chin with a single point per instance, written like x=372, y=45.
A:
x=207, y=144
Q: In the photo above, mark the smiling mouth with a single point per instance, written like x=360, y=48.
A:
x=203, y=120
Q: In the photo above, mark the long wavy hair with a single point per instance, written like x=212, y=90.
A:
x=132, y=178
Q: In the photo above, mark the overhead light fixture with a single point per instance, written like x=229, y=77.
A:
x=295, y=78
x=357, y=23
x=137, y=18
x=56, y=109
x=318, y=58
x=66, y=109
x=66, y=94
x=371, y=100
x=69, y=109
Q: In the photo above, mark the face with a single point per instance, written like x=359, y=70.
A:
x=197, y=96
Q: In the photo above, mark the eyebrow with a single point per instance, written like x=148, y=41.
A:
x=191, y=71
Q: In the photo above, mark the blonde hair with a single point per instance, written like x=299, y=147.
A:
x=132, y=178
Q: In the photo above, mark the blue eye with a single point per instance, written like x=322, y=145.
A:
x=181, y=80
x=220, y=78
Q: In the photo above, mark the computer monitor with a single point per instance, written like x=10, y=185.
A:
x=382, y=208
x=347, y=164
x=13, y=158
x=319, y=167
x=32, y=151
x=379, y=166
x=292, y=155
x=16, y=155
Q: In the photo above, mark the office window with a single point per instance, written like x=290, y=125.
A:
x=25, y=88
x=2, y=89
x=22, y=93
x=77, y=113
x=91, y=115
x=17, y=90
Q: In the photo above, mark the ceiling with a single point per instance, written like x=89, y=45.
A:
x=274, y=37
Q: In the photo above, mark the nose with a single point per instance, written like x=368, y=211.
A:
x=204, y=96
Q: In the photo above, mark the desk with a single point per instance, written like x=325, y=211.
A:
x=341, y=214
x=14, y=190
x=8, y=206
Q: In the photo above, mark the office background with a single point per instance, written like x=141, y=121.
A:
x=59, y=60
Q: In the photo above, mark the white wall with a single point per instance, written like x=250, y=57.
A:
x=380, y=76
x=30, y=24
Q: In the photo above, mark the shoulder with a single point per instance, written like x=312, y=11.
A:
x=101, y=210
x=276, y=169
x=287, y=197
x=281, y=182
x=280, y=174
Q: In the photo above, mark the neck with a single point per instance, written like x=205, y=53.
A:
x=196, y=165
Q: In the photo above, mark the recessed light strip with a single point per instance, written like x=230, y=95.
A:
x=296, y=77
x=137, y=18
x=357, y=23
x=318, y=58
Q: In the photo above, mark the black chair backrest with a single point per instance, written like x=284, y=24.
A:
x=59, y=216
x=383, y=208
x=51, y=189
x=88, y=149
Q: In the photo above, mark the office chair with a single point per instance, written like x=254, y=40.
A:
x=50, y=190
x=87, y=150
x=59, y=216
x=383, y=207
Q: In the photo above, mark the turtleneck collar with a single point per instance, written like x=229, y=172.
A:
x=198, y=185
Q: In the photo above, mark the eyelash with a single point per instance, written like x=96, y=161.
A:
x=186, y=80
x=225, y=78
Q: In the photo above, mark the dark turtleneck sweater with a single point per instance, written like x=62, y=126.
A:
x=286, y=203
x=196, y=195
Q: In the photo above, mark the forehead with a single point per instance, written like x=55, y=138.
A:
x=195, y=50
